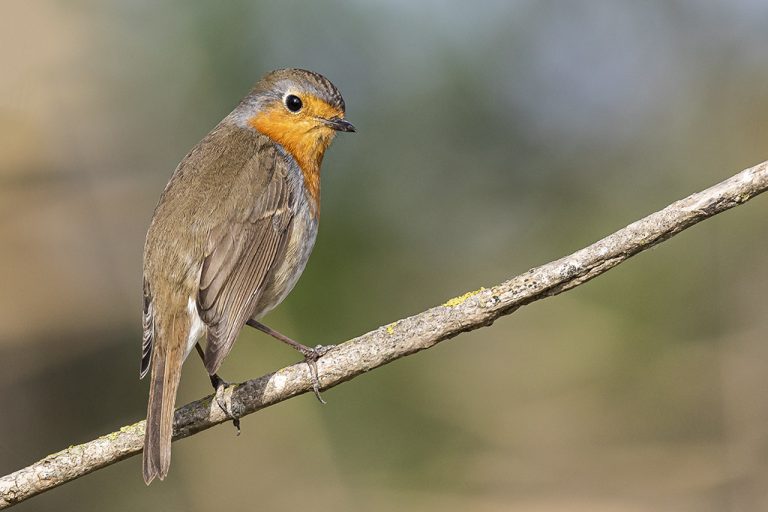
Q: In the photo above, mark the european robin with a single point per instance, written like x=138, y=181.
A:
x=232, y=234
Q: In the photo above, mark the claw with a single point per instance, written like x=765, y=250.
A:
x=220, y=385
x=312, y=363
x=310, y=357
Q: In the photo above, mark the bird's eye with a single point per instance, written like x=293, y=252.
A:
x=293, y=103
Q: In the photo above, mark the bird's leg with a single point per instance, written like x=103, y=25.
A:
x=311, y=355
x=219, y=386
x=308, y=352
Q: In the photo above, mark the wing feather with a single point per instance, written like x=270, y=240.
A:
x=244, y=253
x=148, y=325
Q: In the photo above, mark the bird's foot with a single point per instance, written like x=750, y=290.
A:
x=311, y=355
x=224, y=399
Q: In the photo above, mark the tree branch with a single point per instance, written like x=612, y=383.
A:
x=470, y=311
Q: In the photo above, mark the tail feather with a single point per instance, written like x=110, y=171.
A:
x=167, y=358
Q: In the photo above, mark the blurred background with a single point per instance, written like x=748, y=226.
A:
x=491, y=138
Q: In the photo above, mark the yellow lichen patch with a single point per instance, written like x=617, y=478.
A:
x=461, y=299
x=126, y=429
x=133, y=428
x=112, y=436
x=391, y=328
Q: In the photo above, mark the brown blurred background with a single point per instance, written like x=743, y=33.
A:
x=492, y=137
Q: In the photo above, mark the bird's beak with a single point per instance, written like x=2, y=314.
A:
x=339, y=124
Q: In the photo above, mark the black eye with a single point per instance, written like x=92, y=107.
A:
x=293, y=103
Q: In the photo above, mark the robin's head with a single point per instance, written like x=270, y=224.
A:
x=298, y=109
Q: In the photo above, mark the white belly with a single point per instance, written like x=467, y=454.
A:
x=196, y=326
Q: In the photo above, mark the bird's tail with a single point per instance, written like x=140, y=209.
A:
x=167, y=358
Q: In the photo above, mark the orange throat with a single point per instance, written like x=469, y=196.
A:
x=304, y=139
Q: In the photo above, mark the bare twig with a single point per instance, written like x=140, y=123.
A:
x=470, y=311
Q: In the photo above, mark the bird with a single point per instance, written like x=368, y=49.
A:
x=230, y=236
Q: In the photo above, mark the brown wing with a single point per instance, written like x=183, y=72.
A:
x=242, y=258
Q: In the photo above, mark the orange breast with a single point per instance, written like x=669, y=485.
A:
x=303, y=137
